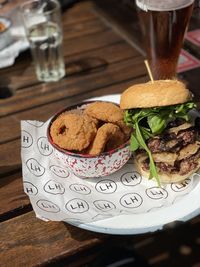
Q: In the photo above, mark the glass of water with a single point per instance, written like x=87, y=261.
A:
x=42, y=21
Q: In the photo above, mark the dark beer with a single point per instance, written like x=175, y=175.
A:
x=163, y=32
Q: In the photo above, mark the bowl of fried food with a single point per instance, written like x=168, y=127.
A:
x=90, y=139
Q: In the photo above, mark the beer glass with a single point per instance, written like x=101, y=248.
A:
x=164, y=24
x=42, y=21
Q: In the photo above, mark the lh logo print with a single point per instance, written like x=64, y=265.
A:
x=35, y=167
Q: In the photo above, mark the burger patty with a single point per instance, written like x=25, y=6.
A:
x=170, y=142
x=182, y=167
x=177, y=150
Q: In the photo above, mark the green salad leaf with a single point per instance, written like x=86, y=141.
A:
x=148, y=122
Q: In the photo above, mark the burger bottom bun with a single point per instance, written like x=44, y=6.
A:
x=166, y=178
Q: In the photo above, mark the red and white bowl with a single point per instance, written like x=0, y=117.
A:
x=84, y=165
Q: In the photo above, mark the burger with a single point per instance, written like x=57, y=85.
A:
x=164, y=138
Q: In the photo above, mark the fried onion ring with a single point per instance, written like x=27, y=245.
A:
x=73, y=131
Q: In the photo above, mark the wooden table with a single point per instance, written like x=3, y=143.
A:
x=98, y=62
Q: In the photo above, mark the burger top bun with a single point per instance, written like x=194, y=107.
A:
x=155, y=94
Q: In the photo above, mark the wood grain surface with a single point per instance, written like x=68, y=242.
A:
x=31, y=241
x=99, y=60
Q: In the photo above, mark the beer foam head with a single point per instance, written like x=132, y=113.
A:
x=166, y=5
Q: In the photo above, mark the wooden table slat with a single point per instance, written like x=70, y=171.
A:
x=13, y=198
x=24, y=237
x=90, y=64
x=77, y=30
x=79, y=13
x=86, y=43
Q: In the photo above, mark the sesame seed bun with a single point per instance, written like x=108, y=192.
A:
x=155, y=94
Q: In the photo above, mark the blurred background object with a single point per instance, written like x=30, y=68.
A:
x=14, y=41
x=7, y=5
x=163, y=25
x=123, y=18
x=43, y=27
x=5, y=34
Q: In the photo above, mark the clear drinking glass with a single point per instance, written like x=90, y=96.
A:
x=164, y=24
x=42, y=21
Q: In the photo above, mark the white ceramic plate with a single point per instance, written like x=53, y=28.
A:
x=183, y=210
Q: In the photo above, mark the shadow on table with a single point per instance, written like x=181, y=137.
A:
x=176, y=245
x=85, y=66
x=5, y=90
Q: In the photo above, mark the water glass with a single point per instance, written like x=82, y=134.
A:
x=42, y=21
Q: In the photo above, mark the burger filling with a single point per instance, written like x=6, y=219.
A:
x=173, y=151
x=164, y=139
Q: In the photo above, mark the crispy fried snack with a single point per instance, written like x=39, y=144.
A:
x=104, y=111
x=107, y=132
x=115, y=140
x=73, y=131
x=124, y=128
x=108, y=112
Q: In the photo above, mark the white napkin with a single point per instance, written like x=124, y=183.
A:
x=9, y=54
x=19, y=42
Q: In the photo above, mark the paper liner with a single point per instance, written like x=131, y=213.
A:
x=58, y=195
